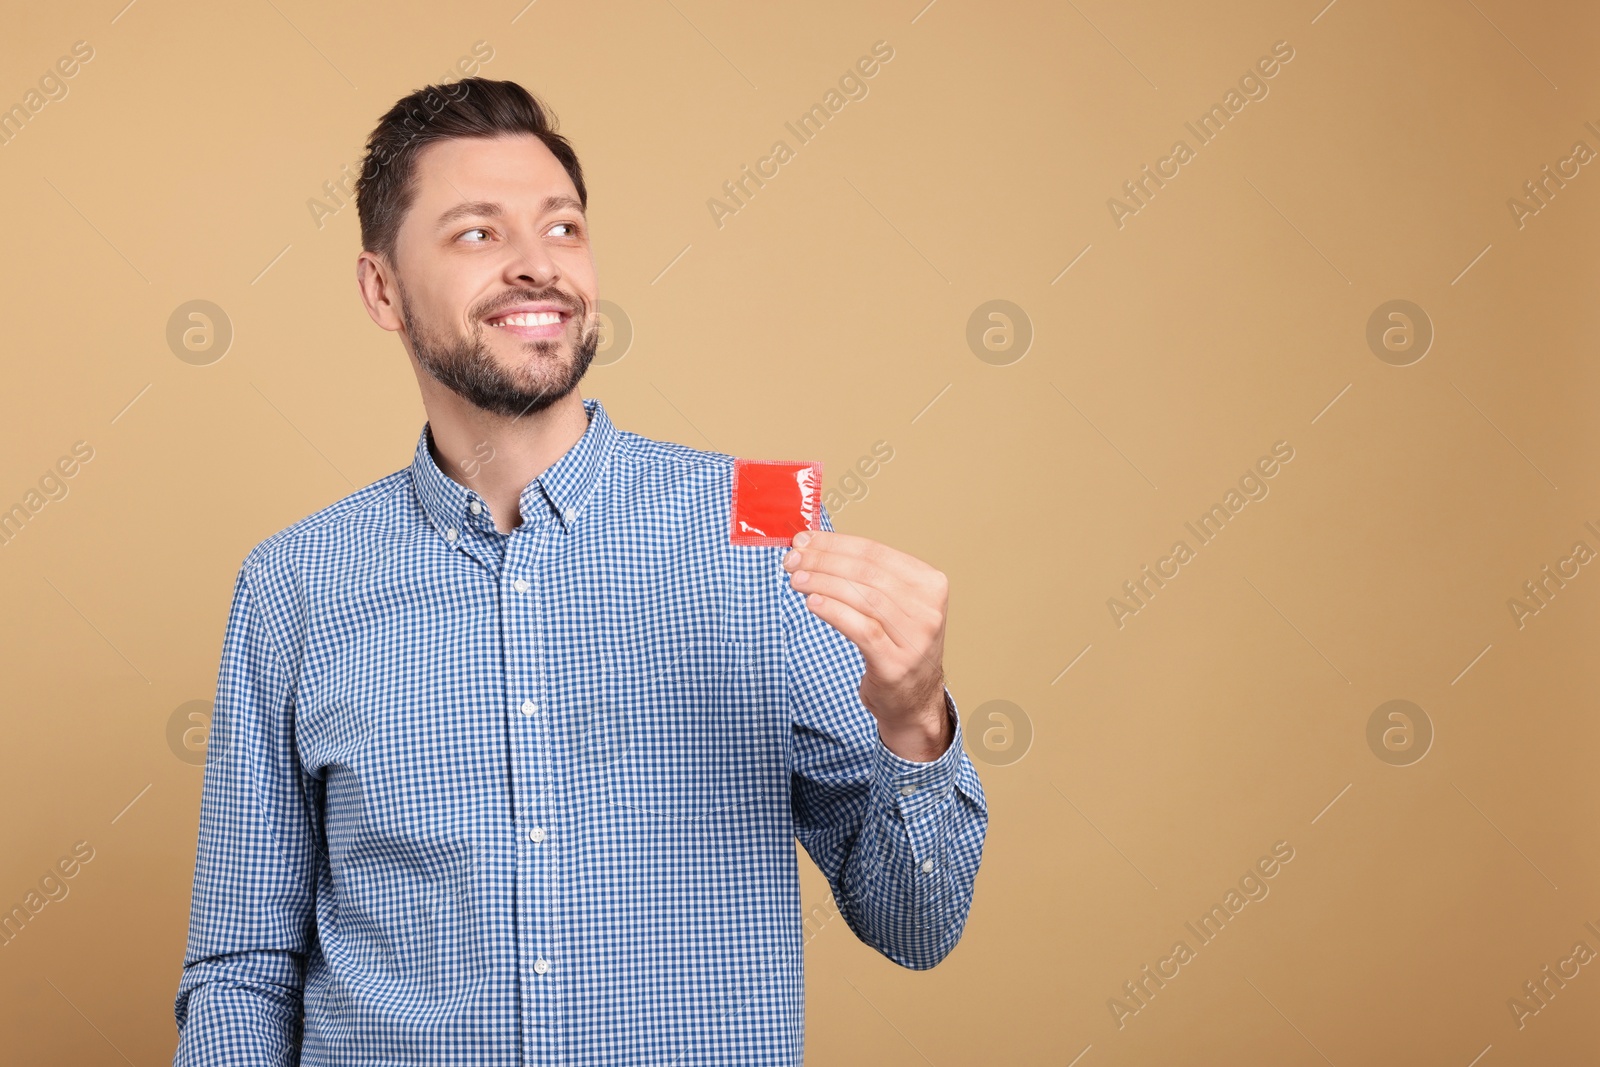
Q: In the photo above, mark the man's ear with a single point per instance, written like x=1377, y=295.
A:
x=375, y=278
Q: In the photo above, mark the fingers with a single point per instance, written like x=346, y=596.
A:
x=865, y=600
x=889, y=604
x=872, y=578
x=880, y=653
x=888, y=663
x=907, y=568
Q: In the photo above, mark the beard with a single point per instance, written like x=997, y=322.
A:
x=467, y=367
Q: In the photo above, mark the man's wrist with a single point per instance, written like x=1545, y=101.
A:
x=926, y=738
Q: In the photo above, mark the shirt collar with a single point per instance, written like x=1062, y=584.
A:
x=563, y=488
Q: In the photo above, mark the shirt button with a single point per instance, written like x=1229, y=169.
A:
x=529, y=707
x=907, y=790
x=927, y=866
x=536, y=835
x=569, y=514
x=475, y=507
x=450, y=534
x=520, y=585
x=541, y=966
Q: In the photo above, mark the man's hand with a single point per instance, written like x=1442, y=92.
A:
x=892, y=607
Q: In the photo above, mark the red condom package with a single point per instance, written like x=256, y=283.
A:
x=773, y=501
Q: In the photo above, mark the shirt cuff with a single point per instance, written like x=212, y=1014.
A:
x=915, y=787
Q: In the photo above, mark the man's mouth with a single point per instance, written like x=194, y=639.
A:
x=532, y=324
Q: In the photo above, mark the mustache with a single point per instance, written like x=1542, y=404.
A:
x=530, y=296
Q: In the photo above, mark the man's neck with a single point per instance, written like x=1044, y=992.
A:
x=497, y=456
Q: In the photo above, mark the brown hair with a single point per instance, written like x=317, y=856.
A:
x=471, y=107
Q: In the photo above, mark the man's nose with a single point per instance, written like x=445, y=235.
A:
x=530, y=263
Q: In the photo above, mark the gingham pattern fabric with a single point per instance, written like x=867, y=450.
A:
x=531, y=798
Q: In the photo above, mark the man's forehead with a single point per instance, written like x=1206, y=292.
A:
x=512, y=170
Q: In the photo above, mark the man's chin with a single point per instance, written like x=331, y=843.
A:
x=511, y=405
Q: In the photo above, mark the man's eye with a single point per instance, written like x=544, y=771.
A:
x=573, y=226
x=475, y=229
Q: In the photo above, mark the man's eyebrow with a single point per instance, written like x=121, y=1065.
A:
x=490, y=209
x=562, y=203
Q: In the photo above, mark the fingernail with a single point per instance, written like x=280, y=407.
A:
x=801, y=538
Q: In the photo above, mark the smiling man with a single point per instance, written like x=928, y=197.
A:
x=510, y=749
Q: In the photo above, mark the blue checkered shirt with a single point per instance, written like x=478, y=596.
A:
x=529, y=798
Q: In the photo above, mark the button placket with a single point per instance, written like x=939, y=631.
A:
x=531, y=739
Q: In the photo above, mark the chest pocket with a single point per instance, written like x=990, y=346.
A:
x=685, y=731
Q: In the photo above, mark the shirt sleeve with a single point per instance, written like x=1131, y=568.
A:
x=899, y=841
x=251, y=910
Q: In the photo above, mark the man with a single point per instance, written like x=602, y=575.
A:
x=510, y=748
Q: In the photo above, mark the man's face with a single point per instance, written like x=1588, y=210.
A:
x=495, y=276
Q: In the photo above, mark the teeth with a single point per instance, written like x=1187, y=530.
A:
x=537, y=318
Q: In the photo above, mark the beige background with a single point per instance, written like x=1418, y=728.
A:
x=831, y=313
